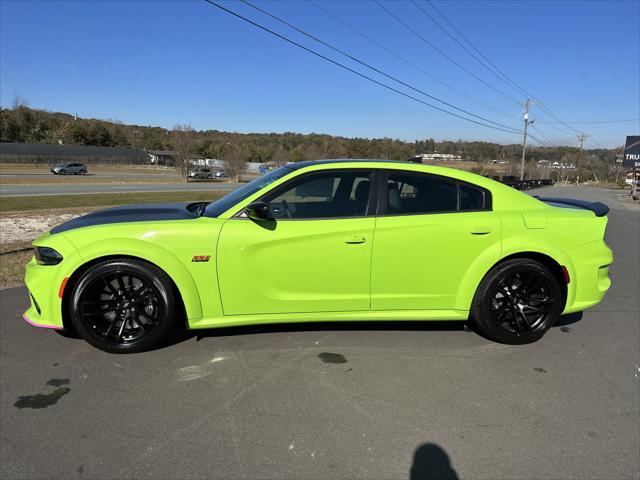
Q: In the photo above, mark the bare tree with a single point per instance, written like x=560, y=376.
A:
x=235, y=158
x=183, y=141
x=19, y=102
x=280, y=156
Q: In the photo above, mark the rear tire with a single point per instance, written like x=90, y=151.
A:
x=123, y=305
x=517, y=302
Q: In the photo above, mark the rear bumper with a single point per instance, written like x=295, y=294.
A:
x=589, y=277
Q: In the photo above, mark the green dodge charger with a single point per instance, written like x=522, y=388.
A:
x=324, y=241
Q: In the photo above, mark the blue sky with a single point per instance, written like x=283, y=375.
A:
x=168, y=62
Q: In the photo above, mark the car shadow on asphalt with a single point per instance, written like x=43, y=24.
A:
x=182, y=335
x=568, y=319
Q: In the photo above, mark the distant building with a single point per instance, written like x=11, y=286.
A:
x=162, y=158
x=437, y=157
x=557, y=165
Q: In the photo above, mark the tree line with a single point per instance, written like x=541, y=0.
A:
x=20, y=123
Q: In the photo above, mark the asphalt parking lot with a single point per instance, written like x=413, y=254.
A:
x=392, y=401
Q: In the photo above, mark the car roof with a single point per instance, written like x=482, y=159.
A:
x=309, y=163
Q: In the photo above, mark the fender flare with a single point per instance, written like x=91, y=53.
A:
x=512, y=246
x=154, y=254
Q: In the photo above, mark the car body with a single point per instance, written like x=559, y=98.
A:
x=331, y=241
x=69, y=168
x=203, y=173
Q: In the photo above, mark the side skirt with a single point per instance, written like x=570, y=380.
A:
x=363, y=316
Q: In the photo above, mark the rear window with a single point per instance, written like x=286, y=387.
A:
x=471, y=198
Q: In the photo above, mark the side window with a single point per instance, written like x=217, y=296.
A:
x=415, y=193
x=323, y=195
x=471, y=198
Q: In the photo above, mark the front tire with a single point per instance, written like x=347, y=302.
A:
x=517, y=302
x=123, y=305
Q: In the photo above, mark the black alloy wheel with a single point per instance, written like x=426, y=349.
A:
x=123, y=305
x=517, y=302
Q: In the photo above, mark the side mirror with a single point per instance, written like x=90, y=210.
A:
x=258, y=211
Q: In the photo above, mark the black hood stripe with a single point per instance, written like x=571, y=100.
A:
x=130, y=213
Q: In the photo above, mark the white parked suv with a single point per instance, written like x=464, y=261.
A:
x=69, y=169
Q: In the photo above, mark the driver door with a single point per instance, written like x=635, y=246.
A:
x=314, y=255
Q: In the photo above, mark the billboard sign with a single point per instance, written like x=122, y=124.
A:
x=632, y=152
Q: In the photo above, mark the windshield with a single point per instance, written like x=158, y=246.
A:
x=225, y=203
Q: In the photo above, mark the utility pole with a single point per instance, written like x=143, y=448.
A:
x=524, y=142
x=581, y=137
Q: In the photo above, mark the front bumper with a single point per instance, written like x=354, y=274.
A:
x=45, y=305
x=46, y=283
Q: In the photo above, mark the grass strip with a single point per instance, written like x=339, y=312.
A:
x=45, y=202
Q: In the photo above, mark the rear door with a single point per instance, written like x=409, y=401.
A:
x=429, y=231
x=314, y=256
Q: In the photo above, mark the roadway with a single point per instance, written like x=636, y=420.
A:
x=92, y=188
x=386, y=401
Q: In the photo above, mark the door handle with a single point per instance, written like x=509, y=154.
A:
x=480, y=230
x=355, y=239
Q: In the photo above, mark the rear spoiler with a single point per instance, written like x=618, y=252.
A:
x=600, y=209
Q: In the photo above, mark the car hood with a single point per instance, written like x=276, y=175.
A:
x=132, y=213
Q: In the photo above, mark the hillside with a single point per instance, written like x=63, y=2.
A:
x=29, y=125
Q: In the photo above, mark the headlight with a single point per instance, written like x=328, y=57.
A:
x=47, y=256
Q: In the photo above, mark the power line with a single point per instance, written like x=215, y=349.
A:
x=557, y=127
x=461, y=45
x=628, y=120
x=369, y=66
x=596, y=144
x=565, y=137
x=355, y=72
x=537, y=140
x=541, y=134
x=403, y=59
x=505, y=76
x=555, y=117
x=399, y=20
